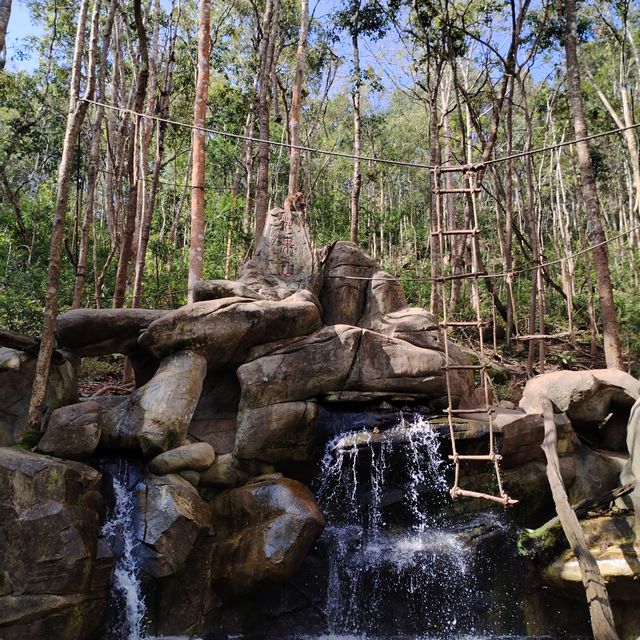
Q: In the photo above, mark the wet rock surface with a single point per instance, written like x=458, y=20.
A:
x=174, y=518
x=264, y=529
x=54, y=581
x=255, y=379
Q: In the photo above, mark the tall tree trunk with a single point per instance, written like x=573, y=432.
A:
x=357, y=175
x=77, y=111
x=267, y=47
x=196, y=251
x=162, y=105
x=132, y=202
x=94, y=159
x=595, y=231
x=5, y=14
x=296, y=99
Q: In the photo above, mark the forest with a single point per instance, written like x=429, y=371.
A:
x=134, y=157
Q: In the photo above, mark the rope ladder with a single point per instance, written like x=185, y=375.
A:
x=444, y=229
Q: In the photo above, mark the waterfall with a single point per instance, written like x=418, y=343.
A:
x=120, y=531
x=388, y=539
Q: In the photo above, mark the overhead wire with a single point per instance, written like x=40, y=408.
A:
x=351, y=156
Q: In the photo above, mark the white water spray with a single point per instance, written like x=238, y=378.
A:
x=120, y=531
x=371, y=559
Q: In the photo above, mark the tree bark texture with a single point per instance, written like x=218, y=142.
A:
x=596, y=591
x=132, y=201
x=357, y=136
x=196, y=251
x=93, y=165
x=77, y=111
x=595, y=231
x=267, y=47
x=296, y=100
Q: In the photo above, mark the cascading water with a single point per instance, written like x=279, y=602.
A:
x=397, y=566
x=120, y=531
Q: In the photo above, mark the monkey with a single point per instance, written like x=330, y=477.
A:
x=295, y=202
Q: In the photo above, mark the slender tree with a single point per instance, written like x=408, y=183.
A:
x=265, y=82
x=196, y=252
x=595, y=231
x=132, y=145
x=77, y=111
x=296, y=100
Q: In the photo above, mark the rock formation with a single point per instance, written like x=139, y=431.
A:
x=234, y=390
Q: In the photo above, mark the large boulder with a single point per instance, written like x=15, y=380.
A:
x=264, y=529
x=96, y=332
x=346, y=270
x=286, y=253
x=156, y=417
x=217, y=289
x=586, y=397
x=174, y=518
x=275, y=420
x=384, y=296
x=16, y=381
x=198, y=456
x=224, y=330
x=215, y=418
x=54, y=575
x=73, y=431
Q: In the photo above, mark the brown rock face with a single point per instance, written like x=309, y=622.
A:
x=275, y=420
x=224, y=330
x=286, y=253
x=345, y=284
x=612, y=542
x=96, y=332
x=54, y=580
x=264, y=530
x=168, y=401
x=15, y=393
x=585, y=396
x=156, y=416
x=189, y=457
x=73, y=431
x=174, y=519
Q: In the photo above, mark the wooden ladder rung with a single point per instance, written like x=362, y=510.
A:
x=489, y=457
x=465, y=367
x=542, y=336
x=465, y=323
x=456, y=232
x=464, y=411
x=505, y=500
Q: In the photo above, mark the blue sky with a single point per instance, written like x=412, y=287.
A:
x=20, y=27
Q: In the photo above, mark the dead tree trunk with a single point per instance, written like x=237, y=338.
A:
x=77, y=111
x=596, y=591
x=595, y=231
